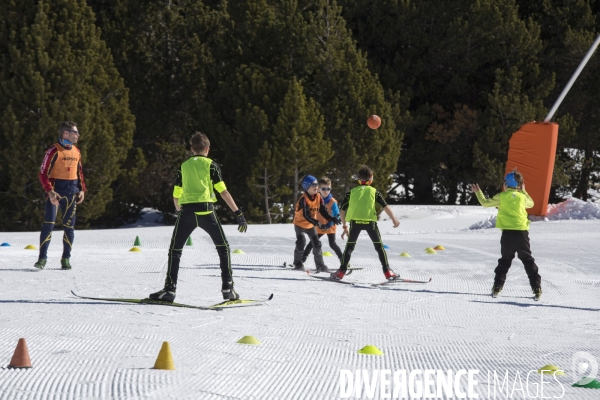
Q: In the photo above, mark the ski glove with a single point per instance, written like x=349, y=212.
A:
x=242, y=224
x=322, y=227
x=336, y=220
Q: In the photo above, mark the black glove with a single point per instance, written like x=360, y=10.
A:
x=242, y=224
x=322, y=227
x=336, y=220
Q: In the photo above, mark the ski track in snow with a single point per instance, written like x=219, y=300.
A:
x=312, y=329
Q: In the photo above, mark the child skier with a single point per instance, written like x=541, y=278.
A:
x=358, y=208
x=305, y=220
x=512, y=219
x=194, y=198
x=330, y=228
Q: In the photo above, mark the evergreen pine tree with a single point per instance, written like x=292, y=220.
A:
x=55, y=67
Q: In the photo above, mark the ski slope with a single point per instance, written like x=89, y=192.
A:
x=312, y=330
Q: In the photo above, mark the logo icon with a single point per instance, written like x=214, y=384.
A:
x=583, y=365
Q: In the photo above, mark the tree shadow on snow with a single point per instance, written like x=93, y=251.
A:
x=514, y=303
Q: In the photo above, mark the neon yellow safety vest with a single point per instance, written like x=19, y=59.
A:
x=361, y=206
x=196, y=184
x=512, y=205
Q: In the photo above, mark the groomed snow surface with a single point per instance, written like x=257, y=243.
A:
x=311, y=330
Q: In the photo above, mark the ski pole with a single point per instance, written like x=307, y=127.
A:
x=572, y=80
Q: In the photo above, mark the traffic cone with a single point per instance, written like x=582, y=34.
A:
x=30, y=247
x=370, y=349
x=189, y=242
x=165, y=358
x=551, y=369
x=137, y=241
x=135, y=249
x=249, y=340
x=20, y=358
x=439, y=247
x=238, y=251
x=589, y=383
x=404, y=255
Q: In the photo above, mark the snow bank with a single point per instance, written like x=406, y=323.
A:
x=570, y=209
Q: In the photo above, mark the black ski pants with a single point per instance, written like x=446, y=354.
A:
x=373, y=231
x=332, y=244
x=301, y=243
x=516, y=242
x=186, y=222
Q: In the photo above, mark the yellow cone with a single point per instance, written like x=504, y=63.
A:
x=238, y=251
x=249, y=340
x=404, y=255
x=327, y=254
x=30, y=247
x=550, y=369
x=370, y=349
x=135, y=249
x=165, y=358
x=439, y=247
x=429, y=250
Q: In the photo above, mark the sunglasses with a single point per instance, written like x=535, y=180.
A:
x=326, y=189
x=71, y=130
x=314, y=185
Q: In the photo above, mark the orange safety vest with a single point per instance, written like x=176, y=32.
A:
x=313, y=207
x=65, y=166
x=324, y=221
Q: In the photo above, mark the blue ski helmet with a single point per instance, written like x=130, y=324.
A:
x=510, y=180
x=307, y=181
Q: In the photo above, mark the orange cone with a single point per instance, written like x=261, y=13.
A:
x=21, y=357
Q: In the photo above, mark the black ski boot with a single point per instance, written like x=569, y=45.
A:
x=299, y=267
x=228, y=292
x=40, y=264
x=65, y=263
x=323, y=268
x=167, y=294
x=537, y=293
x=496, y=291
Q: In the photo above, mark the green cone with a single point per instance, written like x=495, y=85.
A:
x=588, y=383
x=137, y=241
x=189, y=242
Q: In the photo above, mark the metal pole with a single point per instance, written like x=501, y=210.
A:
x=573, y=79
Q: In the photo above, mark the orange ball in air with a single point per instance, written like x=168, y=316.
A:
x=374, y=122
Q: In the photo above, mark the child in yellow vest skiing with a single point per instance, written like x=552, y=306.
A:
x=512, y=220
x=305, y=220
x=358, y=208
x=330, y=228
x=194, y=197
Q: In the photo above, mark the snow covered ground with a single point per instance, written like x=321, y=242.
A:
x=311, y=330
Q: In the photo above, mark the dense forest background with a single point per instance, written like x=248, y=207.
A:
x=283, y=88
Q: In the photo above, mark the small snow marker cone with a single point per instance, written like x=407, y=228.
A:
x=430, y=250
x=249, y=340
x=551, y=369
x=30, y=247
x=135, y=249
x=165, y=358
x=327, y=254
x=385, y=246
x=20, y=358
x=439, y=247
x=238, y=251
x=404, y=255
x=588, y=383
x=137, y=242
x=370, y=349
x=189, y=241
x=5, y=244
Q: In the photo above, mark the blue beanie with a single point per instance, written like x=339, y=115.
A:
x=307, y=181
x=510, y=181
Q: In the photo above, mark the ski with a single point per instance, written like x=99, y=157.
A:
x=399, y=280
x=215, y=307
x=314, y=271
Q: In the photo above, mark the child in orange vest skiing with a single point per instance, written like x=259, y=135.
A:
x=512, y=220
x=305, y=220
x=358, y=208
x=330, y=229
